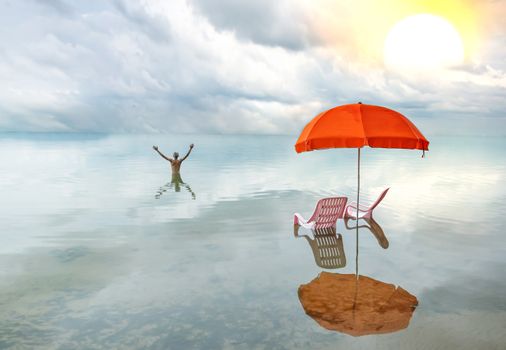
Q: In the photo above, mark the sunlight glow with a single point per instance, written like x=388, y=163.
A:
x=423, y=42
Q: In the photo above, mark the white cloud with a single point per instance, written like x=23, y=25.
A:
x=200, y=66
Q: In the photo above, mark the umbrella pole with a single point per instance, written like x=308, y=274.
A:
x=358, y=203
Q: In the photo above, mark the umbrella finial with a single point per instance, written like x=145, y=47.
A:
x=359, y=102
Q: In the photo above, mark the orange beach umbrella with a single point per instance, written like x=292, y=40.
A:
x=358, y=125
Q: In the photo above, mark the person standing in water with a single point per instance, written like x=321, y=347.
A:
x=174, y=163
x=176, y=180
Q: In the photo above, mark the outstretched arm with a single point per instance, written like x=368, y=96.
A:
x=187, y=154
x=161, y=154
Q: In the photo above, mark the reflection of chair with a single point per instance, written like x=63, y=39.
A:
x=363, y=212
x=326, y=213
x=375, y=229
x=327, y=247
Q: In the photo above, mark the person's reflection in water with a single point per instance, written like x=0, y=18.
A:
x=375, y=229
x=176, y=183
x=327, y=247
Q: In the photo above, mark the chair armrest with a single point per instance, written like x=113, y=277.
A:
x=361, y=207
x=299, y=220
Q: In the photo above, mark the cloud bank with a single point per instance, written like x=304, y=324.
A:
x=225, y=67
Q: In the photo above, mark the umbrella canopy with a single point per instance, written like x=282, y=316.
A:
x=358, y=125
x=342, y=303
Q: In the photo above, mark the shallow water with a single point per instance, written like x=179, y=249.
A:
x=99, y=250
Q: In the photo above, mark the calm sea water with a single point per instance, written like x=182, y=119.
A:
x=99, y=250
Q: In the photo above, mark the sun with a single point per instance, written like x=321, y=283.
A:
x=423, y=42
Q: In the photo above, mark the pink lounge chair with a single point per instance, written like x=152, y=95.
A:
x=363, y=212
x=326, y=213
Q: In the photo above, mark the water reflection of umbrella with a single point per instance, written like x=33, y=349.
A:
x=343, y=303
x=358, y=125
x=349, y=303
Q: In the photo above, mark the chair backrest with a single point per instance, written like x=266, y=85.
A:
x=327, y=211
x=380, y=198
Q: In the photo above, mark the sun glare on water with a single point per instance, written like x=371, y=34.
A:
x=423, y=42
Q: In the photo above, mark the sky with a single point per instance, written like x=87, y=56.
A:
x=227, y=66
